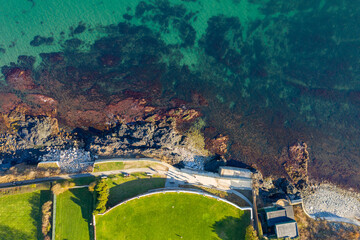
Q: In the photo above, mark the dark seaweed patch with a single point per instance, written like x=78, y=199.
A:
x=79, y=29
x=26, y=62
x=73, y=43
x=127, y=16
x=39, y=40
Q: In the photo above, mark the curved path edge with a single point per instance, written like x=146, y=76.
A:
x=182, y=191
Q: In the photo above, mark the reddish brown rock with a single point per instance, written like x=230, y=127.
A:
x=41, y=99
x=8, y=102
x=42, y=105
x=85, y=119
x=182, y=114
x=296, y=163
x=20, y=79
x=198, y=99
x=109, y=60
x=217, y=145
x=126, y=110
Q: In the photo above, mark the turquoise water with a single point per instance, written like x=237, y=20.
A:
x=272, y=72
x=26, y=19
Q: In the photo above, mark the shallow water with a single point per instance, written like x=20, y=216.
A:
x=272, y=72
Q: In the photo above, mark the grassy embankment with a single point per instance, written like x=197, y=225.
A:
x=223, y=194
x=20, y=215
x=75, y=206
x=122, y=188
x=173, y=216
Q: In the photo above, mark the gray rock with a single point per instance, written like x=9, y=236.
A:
x=37, y=131
x=153, y=139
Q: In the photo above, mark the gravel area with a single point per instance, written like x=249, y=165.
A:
x=70, y=161
x=333, y=204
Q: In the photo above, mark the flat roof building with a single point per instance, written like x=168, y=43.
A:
x=234, y=172
x=283, y=220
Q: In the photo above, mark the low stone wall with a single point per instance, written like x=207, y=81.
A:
x=183, y=191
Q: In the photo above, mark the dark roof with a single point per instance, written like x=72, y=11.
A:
x=289, y=212
x=277, y=215
x=286, y=229
x=274, y=217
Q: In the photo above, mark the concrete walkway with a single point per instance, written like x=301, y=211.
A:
x=176, y=178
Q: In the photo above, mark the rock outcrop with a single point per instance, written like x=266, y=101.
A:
x=295, y=161
x=157, y=139
x=27, y=138
x=37, y=131
x=217, y=144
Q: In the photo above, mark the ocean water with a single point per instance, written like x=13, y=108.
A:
x=271, y=72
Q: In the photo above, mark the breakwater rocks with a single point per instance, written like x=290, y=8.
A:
x=159, y=140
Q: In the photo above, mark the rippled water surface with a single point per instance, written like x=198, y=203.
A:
x=270, y=72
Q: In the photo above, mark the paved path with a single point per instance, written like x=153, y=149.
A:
x=81, y=175
x=241, y=196
x=176, y=178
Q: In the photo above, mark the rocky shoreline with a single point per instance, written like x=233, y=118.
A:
x=31, y=139
x=37, y=136
x=326, y=201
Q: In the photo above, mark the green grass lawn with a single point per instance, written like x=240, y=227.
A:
x=73, y=215
x=20, y=215
x=173, y=216
x=122, y=188
x=101, y=167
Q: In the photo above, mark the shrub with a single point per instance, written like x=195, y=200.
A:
x=60, y=188
x=102, y=193
x=251, y=233
x=260, y=230
x=46, y=215
x=92, y=186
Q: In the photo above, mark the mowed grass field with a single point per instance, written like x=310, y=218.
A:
x=20, y=215
x=74, y=215
x=101, y=167
x=173, y=216
x=122, y=188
